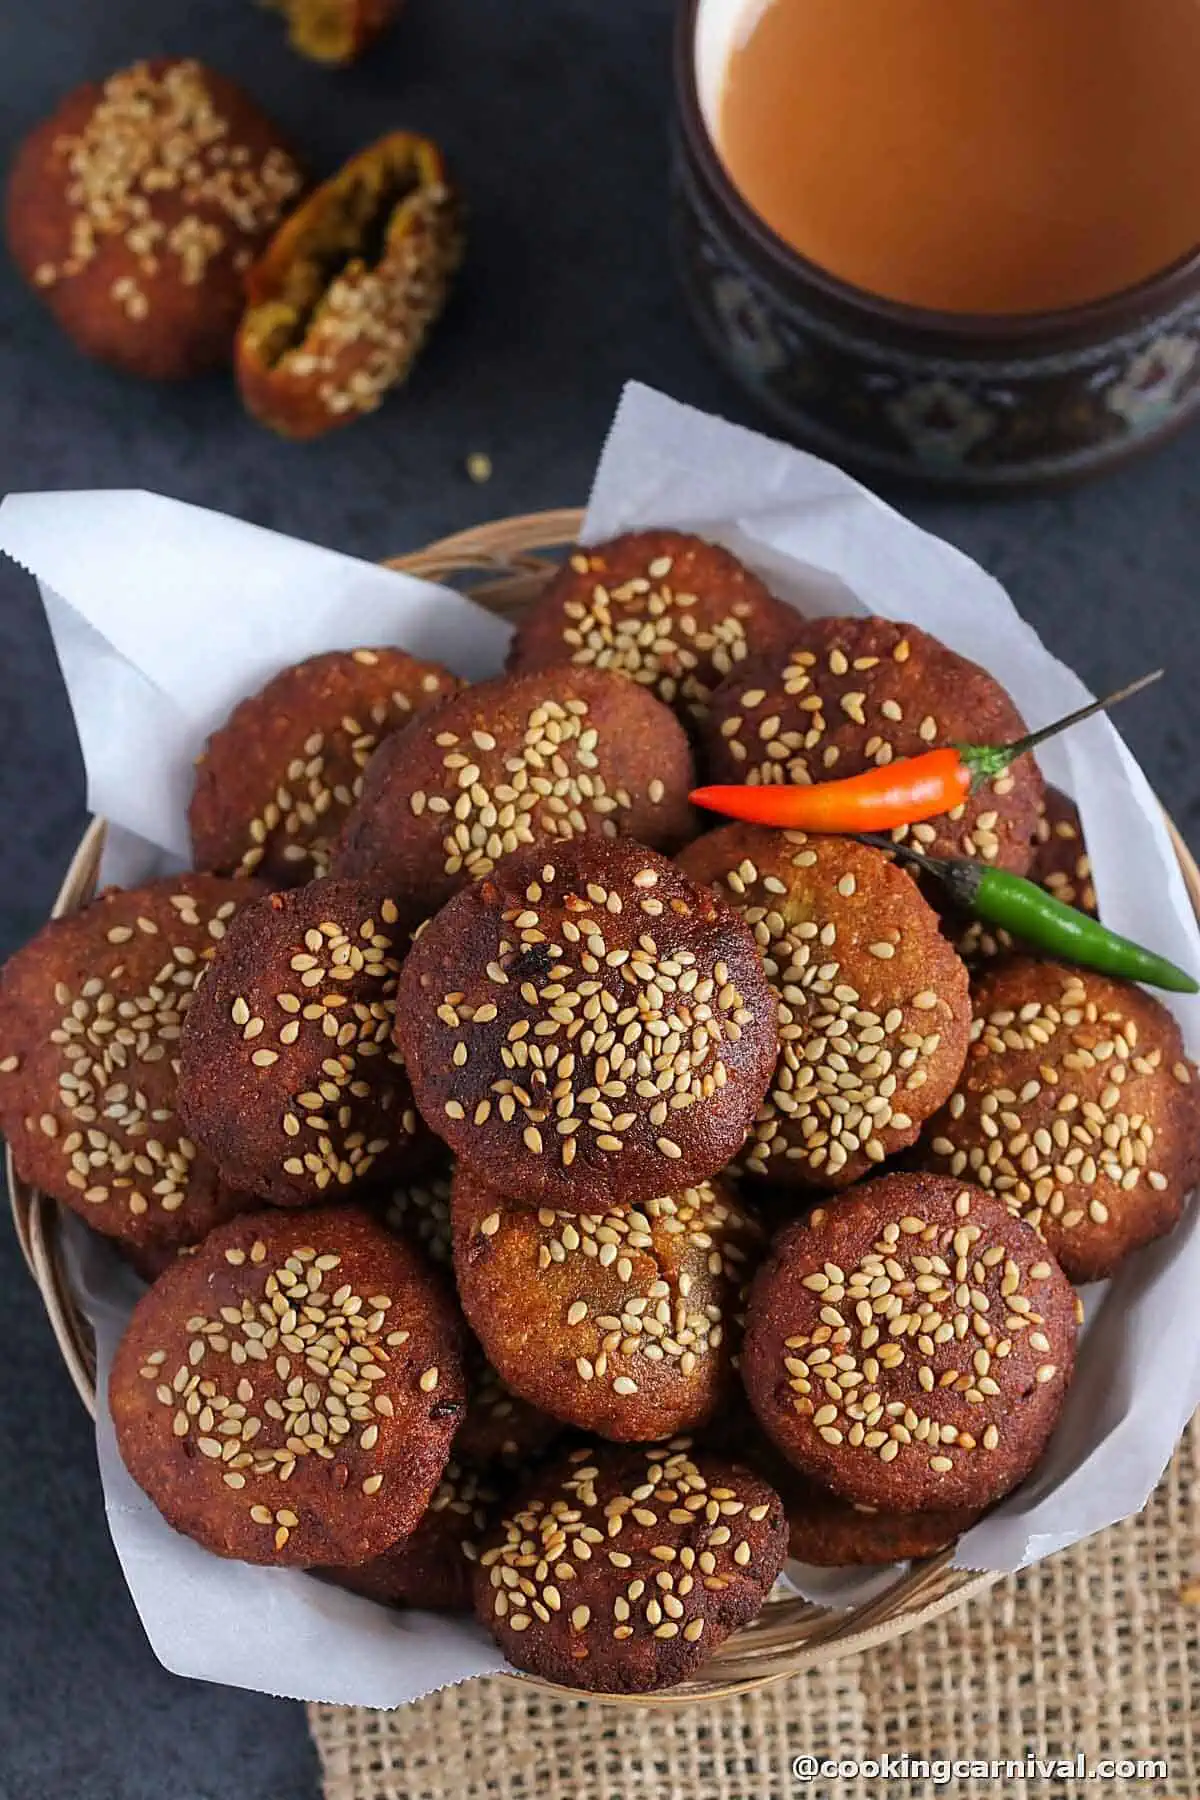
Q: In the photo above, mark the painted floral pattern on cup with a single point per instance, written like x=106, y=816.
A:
x=940, y=421
x=748, y=326
x=1154, y=381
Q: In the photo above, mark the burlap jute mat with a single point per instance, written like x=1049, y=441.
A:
x=1096, y=1650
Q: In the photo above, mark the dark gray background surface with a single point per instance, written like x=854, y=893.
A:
x=555, y=115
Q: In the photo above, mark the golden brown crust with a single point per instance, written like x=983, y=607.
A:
x=433, y=1568
x=910, y=1303
x=622, y=1570
x=669, y=610
x=336, y=32
x=288, y=1074
x=874, y=1008
x=289, y=1393
x=1077, y=1108
x=91, y=1012
x=136, y=208
x=622, y=1323
x=853, y=694
x=831, y=1533
x=344, y=297
x=276, y=781
x=527, y=759
x=586, y=1027
x=823, y=1529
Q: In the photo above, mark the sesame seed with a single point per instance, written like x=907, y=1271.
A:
x=1076, y=1128
x=602, y=1036
x=173, y=138
x=934, y=1287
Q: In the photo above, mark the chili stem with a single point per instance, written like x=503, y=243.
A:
x=988, y=760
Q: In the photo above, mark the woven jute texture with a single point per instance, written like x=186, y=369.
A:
x=1095, y=1650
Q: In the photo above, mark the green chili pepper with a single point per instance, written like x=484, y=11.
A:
x=1029, y=912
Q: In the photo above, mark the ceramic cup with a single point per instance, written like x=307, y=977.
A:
x=966, y=400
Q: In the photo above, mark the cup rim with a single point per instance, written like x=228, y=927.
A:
x=1105, y=316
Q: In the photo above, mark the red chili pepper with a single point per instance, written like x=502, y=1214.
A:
x=900, y=793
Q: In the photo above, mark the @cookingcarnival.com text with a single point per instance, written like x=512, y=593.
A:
x=942, y=1771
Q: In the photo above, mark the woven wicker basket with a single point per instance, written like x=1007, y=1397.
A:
x=503, y=566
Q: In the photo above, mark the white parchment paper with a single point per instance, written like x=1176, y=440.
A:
x=164, y=615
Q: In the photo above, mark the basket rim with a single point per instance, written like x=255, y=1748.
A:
x=504, y=563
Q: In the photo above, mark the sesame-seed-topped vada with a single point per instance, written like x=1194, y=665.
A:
x=874, y=1008
x=136, y=208
x=289, y=1393
x=433, y=1568
x=622, y=1569
x=621, y=1323
x=288, y=1076
x=91, y=1012
x=525, y=759
x=1061, y=865
x=823, y=1529
x=342, y=300
x=587, y=1028
x=276, y=781
x=830, y=1533
x=910, y=1345
x=1077, y=1108
x=669, y=610
x=847, y=695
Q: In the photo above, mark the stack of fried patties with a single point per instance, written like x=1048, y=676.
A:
x=486, y=1159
